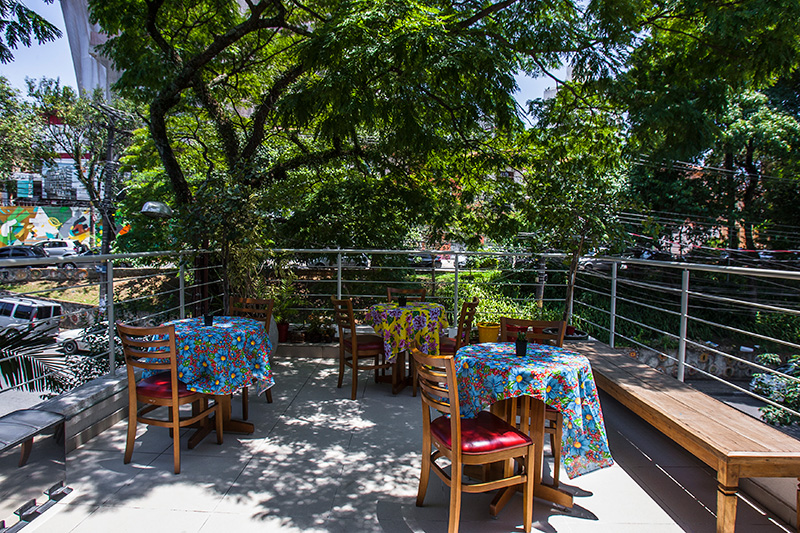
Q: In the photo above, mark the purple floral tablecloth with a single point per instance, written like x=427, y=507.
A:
x=400, y=326
x=224, y=357
x=561, y=378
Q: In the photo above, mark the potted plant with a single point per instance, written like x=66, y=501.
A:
x=285, y=301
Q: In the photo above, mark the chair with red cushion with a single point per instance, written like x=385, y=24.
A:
x=257, y=309
x=554, y=335
x=450, y=345
x=483, y=440
x=153, y=349
x=359, y=347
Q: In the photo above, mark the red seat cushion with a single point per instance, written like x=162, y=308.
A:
x=483, y=434
x=365, y=342
x=160, y=386
x=447, y=345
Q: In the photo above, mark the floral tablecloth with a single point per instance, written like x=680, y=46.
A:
x=563, y=379
x=401, y=325
x=224, y=357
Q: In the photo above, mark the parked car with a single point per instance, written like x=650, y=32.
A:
x=23, y=251
x=59, y=247
x=27, y=314
x=598, y=264
x=30, y=251
x=91, y=339
x=425, y=261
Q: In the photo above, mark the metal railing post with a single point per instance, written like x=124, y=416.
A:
x=110, y=314
x=613, y=309
x=684, y=323
x=182, y=287
x=339, y=275
x=456, y=309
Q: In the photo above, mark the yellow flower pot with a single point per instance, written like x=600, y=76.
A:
x=488, y=332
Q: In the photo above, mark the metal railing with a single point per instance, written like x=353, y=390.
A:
x=672, y=315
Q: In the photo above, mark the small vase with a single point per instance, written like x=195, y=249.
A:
x=522, y=347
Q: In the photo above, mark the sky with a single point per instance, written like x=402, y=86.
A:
x=54, y=60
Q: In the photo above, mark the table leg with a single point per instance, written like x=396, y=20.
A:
x=229, y=424
x=531, y=410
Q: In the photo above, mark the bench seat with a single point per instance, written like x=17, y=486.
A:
x=733, y=443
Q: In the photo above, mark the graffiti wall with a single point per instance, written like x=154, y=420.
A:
x=24, y=225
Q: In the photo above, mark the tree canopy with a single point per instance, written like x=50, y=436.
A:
x=295, y=107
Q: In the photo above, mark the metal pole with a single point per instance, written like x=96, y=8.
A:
x=110, y=314
x=684, y=323
x=541, y=280
x=339, y=275
x=456, y=309
x=613, y=311
x=182, y=285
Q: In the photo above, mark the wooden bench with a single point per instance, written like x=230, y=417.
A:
x=734, y=444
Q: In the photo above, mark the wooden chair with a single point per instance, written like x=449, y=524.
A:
x=554, y=420
x=477, y=441
x=359, y=347
x=412, y=295
x=450, y=345
x=140, y=346
x=257, y=309
x=535, y=330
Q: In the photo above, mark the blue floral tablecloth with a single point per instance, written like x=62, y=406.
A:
x=488, y=373
x=401, y=325
x=224, y=357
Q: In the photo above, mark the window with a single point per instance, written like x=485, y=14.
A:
x=44, y=312
x=6, y=308
x=19, y=252
x=24, y=312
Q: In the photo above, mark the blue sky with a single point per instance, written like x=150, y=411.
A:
x=54, y=60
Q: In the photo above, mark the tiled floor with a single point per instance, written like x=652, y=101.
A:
x=319, y=462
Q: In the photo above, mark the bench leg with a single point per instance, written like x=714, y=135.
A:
x=726, y=508
x=25, y=454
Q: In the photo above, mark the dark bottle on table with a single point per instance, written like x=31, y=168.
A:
x=403, y=301
x=521, y=343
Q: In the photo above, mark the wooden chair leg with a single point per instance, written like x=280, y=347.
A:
x=218, y=420
x=555, y=445
x=269, y=395
x=176, y=437
x=341, y=367
x=455, y=498
x=354, y=391
x=245, y=403
x=131, y=434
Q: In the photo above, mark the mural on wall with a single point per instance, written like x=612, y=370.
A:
x=26, y=225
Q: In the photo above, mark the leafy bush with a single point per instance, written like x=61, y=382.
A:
x=779, y=389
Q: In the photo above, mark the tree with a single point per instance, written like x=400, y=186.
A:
x=18, y=24
x=20, y=146
x=574, y=177
x=269, y=97
x=80, y=126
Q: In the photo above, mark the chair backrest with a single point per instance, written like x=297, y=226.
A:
x=535, y=330
x=255, y=308
x=344, y=319
x=465, y=318
x=151, y=348
x=436, y=376
x=410, y=294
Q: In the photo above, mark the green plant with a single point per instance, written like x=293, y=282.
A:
x=285, y=297
x=779, y=389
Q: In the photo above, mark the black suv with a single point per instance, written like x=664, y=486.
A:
x=22, y=251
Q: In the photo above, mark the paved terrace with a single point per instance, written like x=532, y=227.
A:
x=319, y=462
